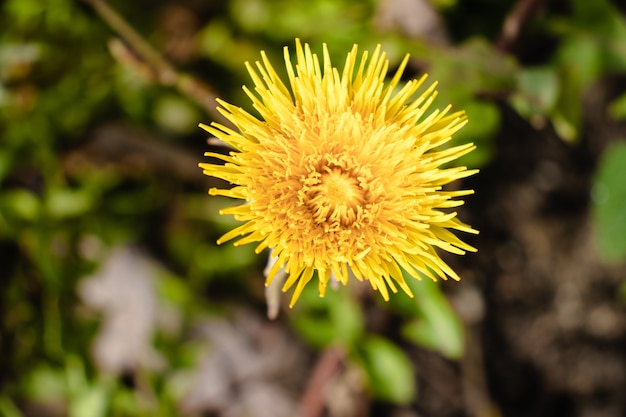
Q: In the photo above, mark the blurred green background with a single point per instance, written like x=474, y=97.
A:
x=115, y=299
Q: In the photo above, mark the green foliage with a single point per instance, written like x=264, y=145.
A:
x=68, y=195
x=428, y=321
x=609, y=198
x=433, y=324
x=390, y=371
x=592, y=43
x=617, y=109
x=335, y=319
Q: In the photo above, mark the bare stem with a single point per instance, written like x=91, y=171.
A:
x=151, y=63
x=521, y=13
x=312, y=404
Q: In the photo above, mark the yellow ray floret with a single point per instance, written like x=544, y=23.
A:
x=341, y=173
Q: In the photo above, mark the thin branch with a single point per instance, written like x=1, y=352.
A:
x=523, y=11
x=313, y=400
x=137, y=53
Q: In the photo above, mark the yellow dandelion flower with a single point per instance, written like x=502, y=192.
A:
x=341, y=175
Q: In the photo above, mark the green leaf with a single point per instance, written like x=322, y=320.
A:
x=22, y=204
x=609, y=201
x=176, y=114
x=221, y=259
x=483, y=122
x=617, y=108
x=437, y=327
x=602, y=19
x=8, y=408
x=85, y=399
x=335, y=319
x=172, y=289
x=64, y=203
x=390, y=372
x=46, y=383
x=93, y=402
x=579, y=62
x=538, y=91
x=23, y=10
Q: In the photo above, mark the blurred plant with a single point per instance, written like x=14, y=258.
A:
x=609, y=198
x=592, y=42
x=595, y=44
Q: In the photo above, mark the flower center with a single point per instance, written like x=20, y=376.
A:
x=337, y=198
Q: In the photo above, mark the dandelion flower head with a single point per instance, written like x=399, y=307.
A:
x=341, y=172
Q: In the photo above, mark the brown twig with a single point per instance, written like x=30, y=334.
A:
x=522, y=12
x=137, y=53
x=313, y=401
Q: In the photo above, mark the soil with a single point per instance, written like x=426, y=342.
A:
x=552, y=339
